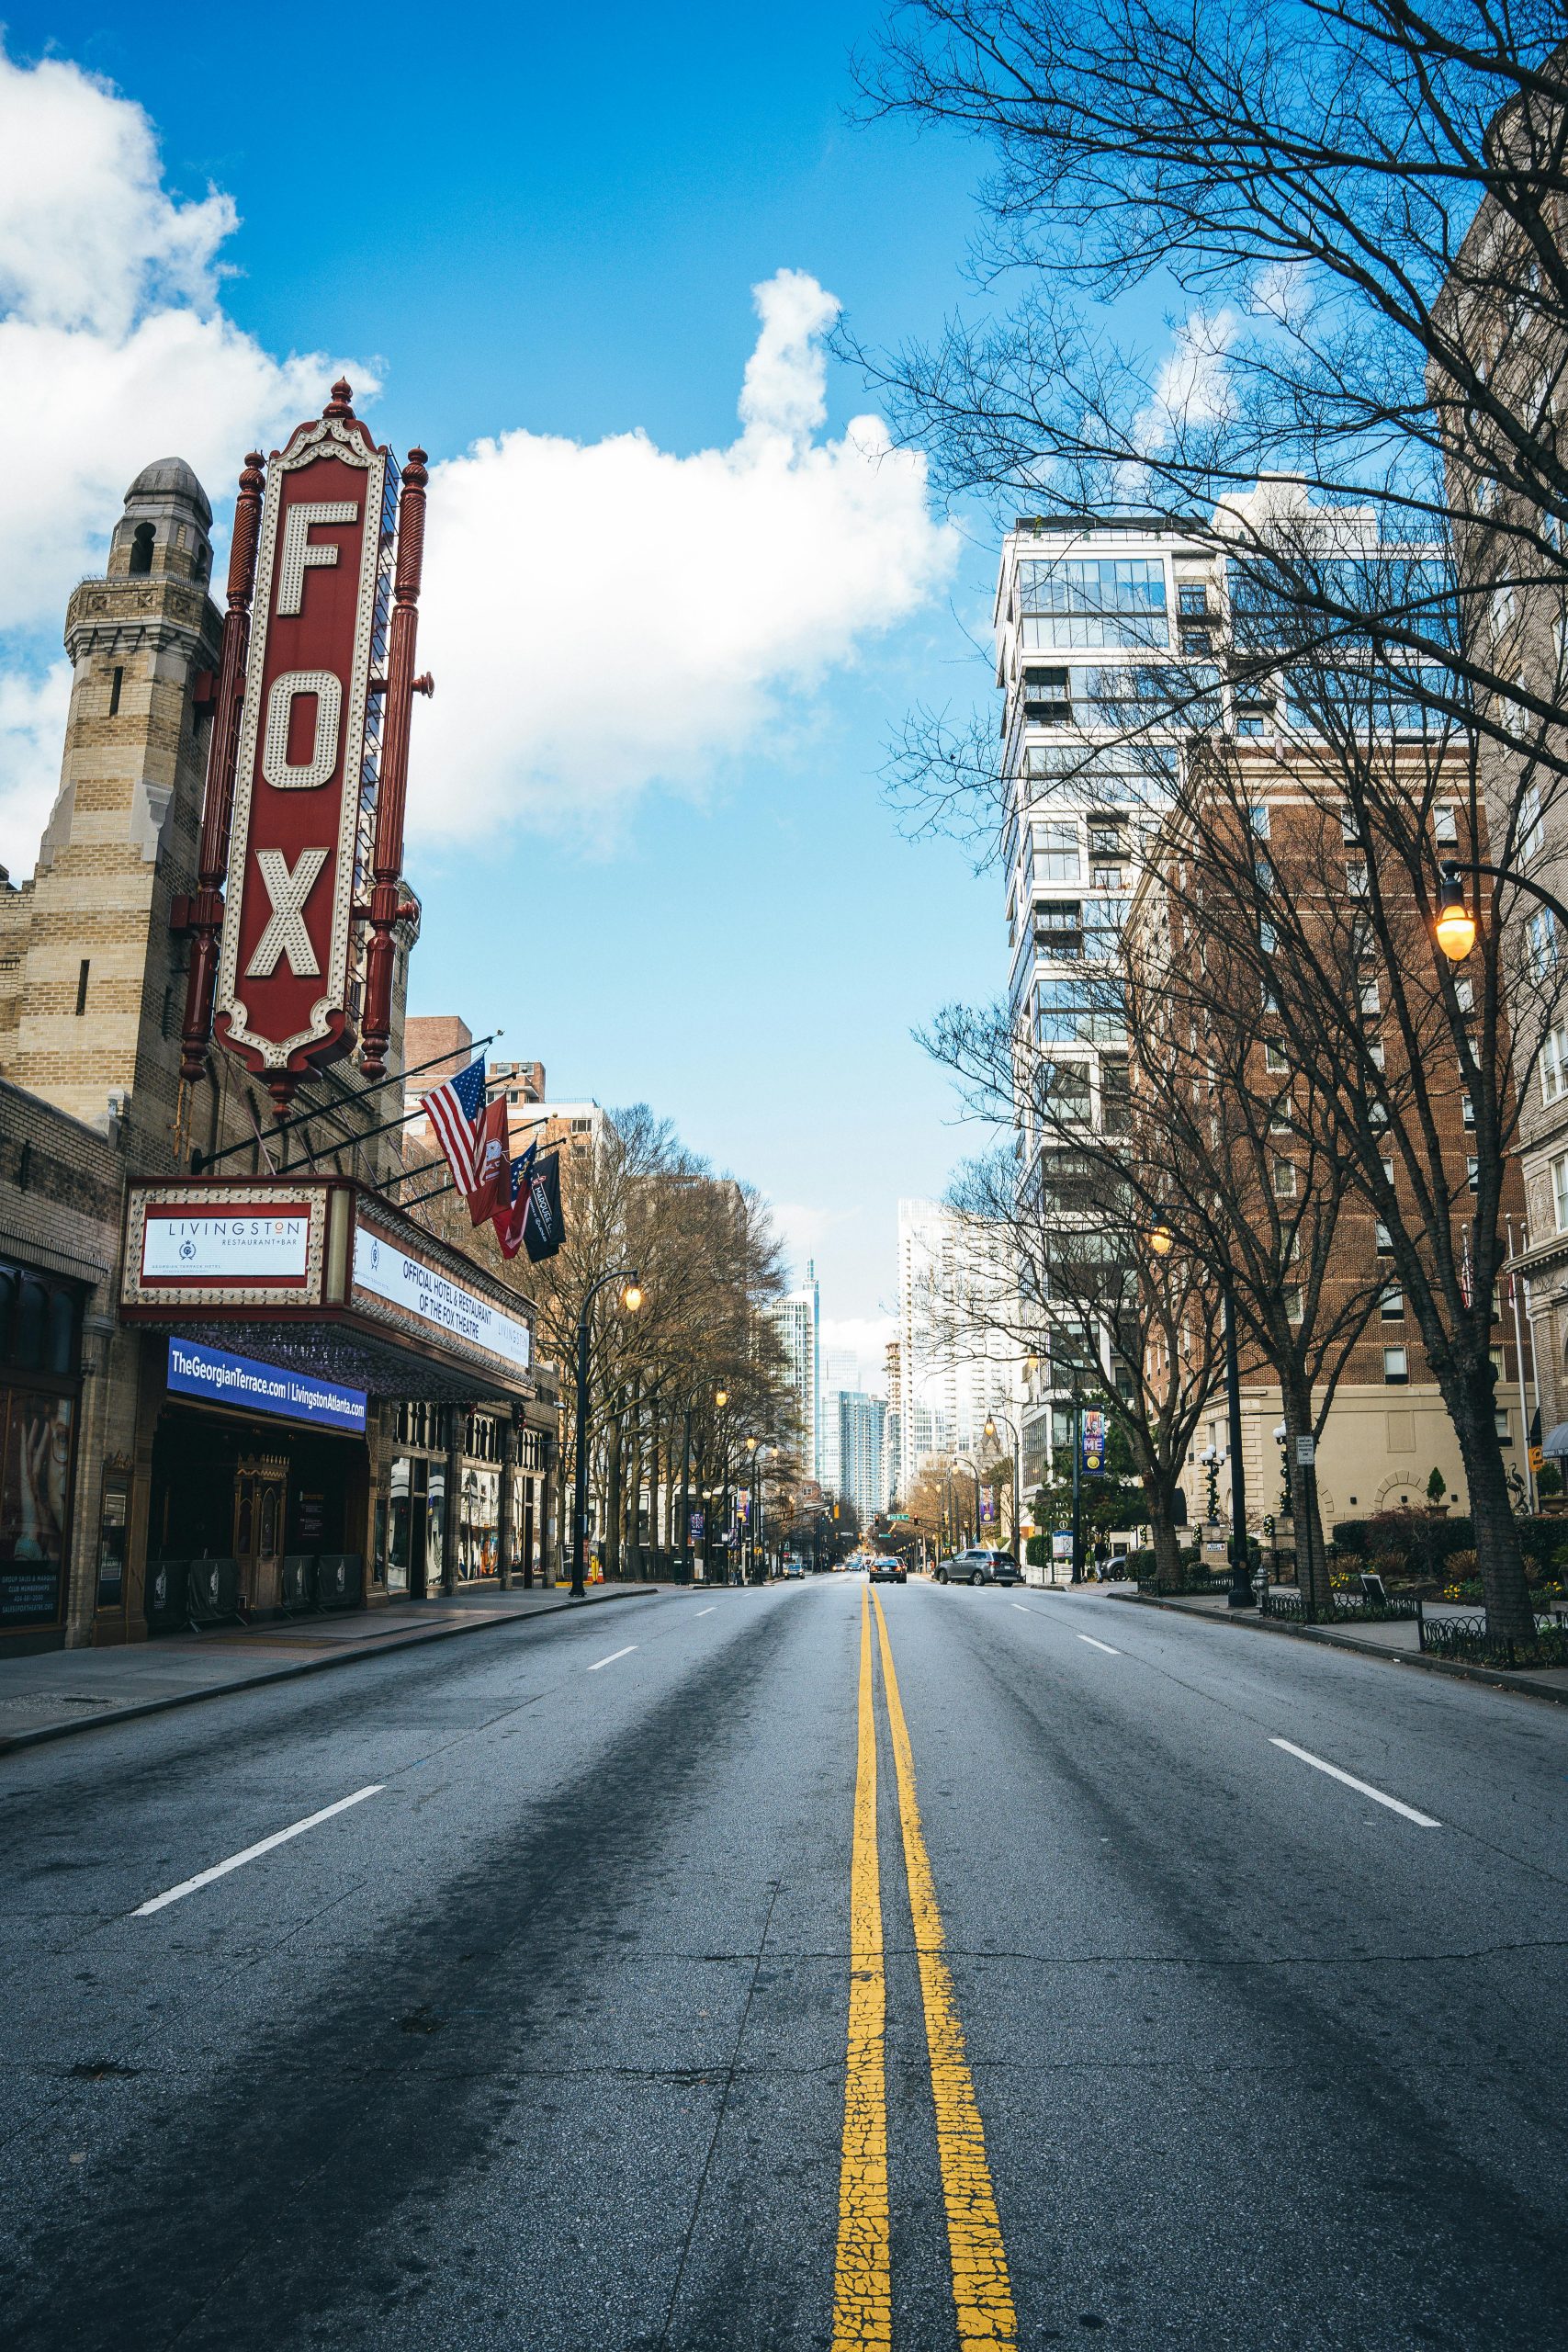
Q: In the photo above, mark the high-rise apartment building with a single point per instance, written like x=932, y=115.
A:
x=797, y=1317
x=957, y=1331
x=862, y=1425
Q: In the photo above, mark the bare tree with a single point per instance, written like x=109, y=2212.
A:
x=1062, y=1263
x=1399, y=1063
x=1363, y=204
x=709, y=1264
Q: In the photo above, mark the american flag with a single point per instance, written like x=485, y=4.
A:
x=453, y=1110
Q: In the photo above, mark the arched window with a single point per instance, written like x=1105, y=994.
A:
x=142, y=548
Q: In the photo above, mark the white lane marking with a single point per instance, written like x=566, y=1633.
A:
x=613, y=1656
x=1022, y=1611
x=1098, y=1646
x=709, y=1610
x=278, y=1837
x=1362, y=1788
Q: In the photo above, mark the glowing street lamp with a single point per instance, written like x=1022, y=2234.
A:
x=1455, y=925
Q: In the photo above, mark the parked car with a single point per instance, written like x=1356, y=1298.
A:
x=888, y=1571
x=980, y=1566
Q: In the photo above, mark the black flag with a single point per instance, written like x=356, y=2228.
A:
x=544, y=1228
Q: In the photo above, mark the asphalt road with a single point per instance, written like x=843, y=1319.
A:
x=1178, y=2040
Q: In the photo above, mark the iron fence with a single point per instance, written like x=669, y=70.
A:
x=1462, y=1637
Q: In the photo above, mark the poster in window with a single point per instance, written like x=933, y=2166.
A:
x=35, y=1485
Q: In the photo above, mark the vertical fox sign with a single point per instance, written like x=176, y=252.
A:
x=303, y=820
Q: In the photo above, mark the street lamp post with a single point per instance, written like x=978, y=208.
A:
x=965, y=1462
x=989, y=1433
x=756, y=1449
x=631, y=1299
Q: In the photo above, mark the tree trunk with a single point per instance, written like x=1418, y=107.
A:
x=1159, y=1493
x=1312, y=1555
x=1511, y=1614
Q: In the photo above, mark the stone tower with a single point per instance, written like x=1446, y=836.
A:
x=91, y=991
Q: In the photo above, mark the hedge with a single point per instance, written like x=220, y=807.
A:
x=1424, y=1544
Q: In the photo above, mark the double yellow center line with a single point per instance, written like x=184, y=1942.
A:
x=862, y=2283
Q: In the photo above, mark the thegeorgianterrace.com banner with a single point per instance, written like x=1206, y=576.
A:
x=225, y=1379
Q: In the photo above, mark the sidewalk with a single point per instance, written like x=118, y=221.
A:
x=60, y=1691
x=1398, y=1641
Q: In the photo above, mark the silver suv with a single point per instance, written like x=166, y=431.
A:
x=980, y=1566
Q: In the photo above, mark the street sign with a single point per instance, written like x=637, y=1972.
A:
x=1306, y=1452
x=1093, y=1442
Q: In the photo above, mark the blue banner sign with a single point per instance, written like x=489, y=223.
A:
x=1094, y=1441
x=223, y=1379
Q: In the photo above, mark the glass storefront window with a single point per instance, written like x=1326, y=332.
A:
x=405, y=1533
x=36, y=1433
x=479, y=1529
x=435, y=1527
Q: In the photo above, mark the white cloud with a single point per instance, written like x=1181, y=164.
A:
x=601, y=616
x=1192, y=386
x=864, y=1338
x=32, y=727
x=802, y=1230
x=112, y=352
x=604, y=617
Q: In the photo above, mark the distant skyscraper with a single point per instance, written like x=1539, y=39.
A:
x=957, y=1359
x=798, y=1319
x=861, y=1422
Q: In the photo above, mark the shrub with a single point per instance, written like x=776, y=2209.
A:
x=1460, y=1566
x=1547, y=1481
x=1540, y=1539
x=1437, y=1486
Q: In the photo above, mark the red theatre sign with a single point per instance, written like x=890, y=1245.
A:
x=308, y=771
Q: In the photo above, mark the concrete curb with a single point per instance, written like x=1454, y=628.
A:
x=413, y=1640
x=1517, y=1679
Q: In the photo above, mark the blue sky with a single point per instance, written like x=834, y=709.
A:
x=549, y=223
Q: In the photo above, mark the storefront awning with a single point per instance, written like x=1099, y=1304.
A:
x=1557, y=1440
x=318, y=1275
